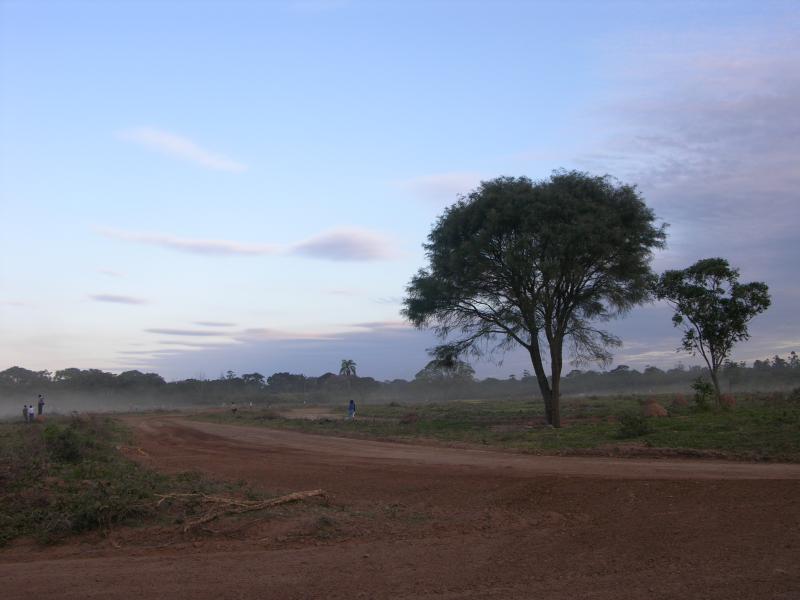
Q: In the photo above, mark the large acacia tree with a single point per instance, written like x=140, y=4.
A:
x=536, y=264
x=713, y=308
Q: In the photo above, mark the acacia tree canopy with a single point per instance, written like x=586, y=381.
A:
x=713, y=307
x=536, y=264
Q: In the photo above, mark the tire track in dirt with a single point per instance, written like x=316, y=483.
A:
x=222, y=438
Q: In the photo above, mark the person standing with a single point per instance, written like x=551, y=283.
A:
x=40, y=405
x=25, y=413
x=351, y=410
x=31, y=414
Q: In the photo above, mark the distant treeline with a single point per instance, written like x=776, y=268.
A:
x=134, y=389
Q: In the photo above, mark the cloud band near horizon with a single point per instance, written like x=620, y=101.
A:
x=342, y=244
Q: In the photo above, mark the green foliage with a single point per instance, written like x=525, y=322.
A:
x=68, y=477
x=517, y=261
x=632, y=425
x=703, y=393
x=66, y=444
x=713, y=308
x=763, y=426
x=448, y=372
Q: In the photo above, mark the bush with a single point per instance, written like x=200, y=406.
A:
x=631, y=426
x=65, y=444
x=703, y=393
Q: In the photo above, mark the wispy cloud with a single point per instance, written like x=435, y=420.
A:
x=186, y=332
x=263, y=333
x=214, y=324
x=383, y=325
x=180, y=147
x=345, y=244
x=708, y=132
x=390, y=300
x=110, y=272
x=16, y=303
x=117, y=299
x=192, y=245
x=441, y=187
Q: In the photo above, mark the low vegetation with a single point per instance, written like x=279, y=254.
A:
x=68, y=476
x=755, y=427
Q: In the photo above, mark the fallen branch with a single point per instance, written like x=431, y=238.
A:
x=231, y=506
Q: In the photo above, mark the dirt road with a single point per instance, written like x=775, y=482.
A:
x=408, y=521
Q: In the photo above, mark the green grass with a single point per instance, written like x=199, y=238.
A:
x=68, y=477
x=760, y=427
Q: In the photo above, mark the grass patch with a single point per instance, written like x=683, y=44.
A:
x=761, y=426
x=67, y=477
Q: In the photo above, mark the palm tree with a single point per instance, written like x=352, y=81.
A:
x=348, y=368
x=348, y=371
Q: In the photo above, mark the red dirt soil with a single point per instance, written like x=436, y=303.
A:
x=407, y=521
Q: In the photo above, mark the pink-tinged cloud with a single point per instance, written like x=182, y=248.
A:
x=180, y=147
x=194, y=246
x=117, y=299
x=263, y=334
x=186, y=332
x=346, y=244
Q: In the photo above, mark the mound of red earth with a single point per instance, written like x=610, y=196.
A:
x=727, y=401
x=654, y=409
x=680, y=401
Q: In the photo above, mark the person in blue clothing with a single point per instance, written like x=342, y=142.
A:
x=351, y=410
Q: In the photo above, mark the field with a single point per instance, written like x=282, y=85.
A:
x=759, y=427
x=466, y=499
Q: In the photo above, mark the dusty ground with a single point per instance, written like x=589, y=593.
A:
x=409, y=521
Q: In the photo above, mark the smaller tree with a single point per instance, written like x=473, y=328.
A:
x=713, y=308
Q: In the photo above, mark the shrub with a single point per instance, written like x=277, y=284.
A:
x=631, y=426
x=703, y=393
x=65, y=444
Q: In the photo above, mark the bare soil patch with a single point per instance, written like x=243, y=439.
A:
x=408, y=521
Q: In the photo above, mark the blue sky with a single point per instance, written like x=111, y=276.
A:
x=191, y=187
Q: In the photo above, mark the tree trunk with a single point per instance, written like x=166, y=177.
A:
x=555, y=382
x=717, y=391
x=544, y=385
x=556, y=402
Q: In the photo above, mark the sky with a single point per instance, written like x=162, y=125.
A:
x=192, y=187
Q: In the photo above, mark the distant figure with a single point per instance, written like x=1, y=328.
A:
x=233, y=407
x=31, y=414
x=25, y=413
x=40, y=405
x=351, y=410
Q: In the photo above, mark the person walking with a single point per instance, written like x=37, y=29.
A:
x=351, y=410
x=25, y=413
x=40, y=405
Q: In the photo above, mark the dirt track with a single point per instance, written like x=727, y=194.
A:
x=411, y=521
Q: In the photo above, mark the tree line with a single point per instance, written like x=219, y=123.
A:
x=434, y=382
